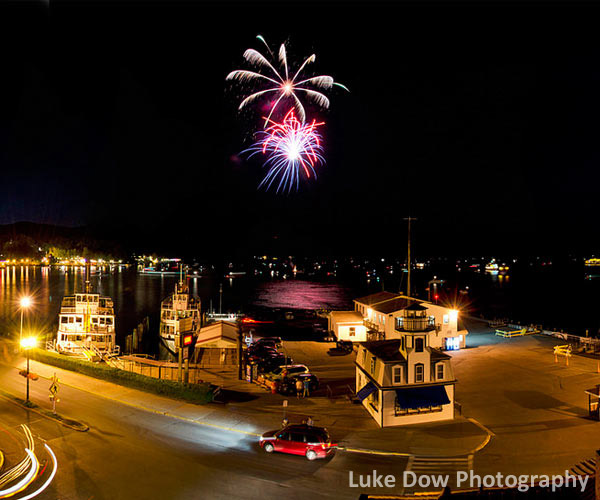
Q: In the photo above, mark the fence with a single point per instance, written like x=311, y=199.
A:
x=580, y=344
x=166, y=370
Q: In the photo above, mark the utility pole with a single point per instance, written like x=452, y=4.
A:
x=409, y=219
x=221, y=298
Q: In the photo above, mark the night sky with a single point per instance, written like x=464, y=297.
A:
x=479, y=119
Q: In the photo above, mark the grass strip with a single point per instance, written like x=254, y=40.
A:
x=192, y=393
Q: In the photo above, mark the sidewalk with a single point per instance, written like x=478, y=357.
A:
x=257, y=411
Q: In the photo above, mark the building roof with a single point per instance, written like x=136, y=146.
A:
x=218, y=334
x=389, y=350
x=385, y=350
x=346, y=316
x=437, y=355
x=397, y=304
x=375, y=298
x=416, y=306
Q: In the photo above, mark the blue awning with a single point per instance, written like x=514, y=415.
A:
x=366, y=391
x=422, y=397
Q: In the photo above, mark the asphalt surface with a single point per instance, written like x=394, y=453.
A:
x=131, y=453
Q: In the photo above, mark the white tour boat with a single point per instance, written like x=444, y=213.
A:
x=86, y=326
x=179, y=314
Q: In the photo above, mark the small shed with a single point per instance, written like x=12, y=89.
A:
x=217, y=344
x=347, y=325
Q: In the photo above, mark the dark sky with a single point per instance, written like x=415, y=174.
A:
x=482, y=120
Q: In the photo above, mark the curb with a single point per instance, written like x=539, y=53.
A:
x=486, y=441
x=77, y=426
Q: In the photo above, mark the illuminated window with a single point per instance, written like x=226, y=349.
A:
x=419, y=372
x=446, y=319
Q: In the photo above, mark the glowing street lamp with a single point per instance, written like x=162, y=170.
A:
x=28, y=343
x=25, y=302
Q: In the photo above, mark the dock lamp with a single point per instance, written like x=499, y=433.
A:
x=28, y=343
x=25, y=303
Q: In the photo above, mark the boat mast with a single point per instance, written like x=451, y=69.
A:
x=409, y=219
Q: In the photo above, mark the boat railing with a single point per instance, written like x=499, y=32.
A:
x=51, y=345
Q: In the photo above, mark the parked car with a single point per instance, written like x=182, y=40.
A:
x=265, y=343
x=288, y=385
x=267, y=365
x=345, y=345
x=260, y=354
x=342, y=348
x=269, y=340
x=314, y=380
x=277, y=373
x=307, y=440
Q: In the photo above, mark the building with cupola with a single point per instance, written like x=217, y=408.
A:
x=383, y=314
x=406, y=380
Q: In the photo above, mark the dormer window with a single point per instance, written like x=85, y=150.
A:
x=419, y=372
x=397, y=374
x=439, y=371
x=419, y=344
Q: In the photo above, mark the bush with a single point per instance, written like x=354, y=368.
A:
x=195, y=393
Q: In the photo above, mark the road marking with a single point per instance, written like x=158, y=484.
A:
x=374, y=452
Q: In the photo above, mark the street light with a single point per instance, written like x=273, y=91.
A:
x=28, y=343
x=25, y=303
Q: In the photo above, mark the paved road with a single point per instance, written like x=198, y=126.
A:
x=129, y=453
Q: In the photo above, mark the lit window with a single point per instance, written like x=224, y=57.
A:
x=419, y=372
x=446, y=319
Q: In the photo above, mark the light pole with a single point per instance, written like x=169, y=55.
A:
x=27, y=343
x=25, y=303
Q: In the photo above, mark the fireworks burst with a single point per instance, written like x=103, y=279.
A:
x=282, y=85
x=293, y=150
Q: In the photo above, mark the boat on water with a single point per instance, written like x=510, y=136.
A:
x=86, y=326
x=179, y=314
x=494, y=268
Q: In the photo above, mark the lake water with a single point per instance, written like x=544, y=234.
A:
x=137, y=295
x=556, y=297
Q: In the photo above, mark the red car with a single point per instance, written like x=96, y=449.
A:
x=312, y=442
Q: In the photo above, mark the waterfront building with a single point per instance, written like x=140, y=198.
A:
x=383, y=316
x=406, y=380
x=217, y=345
x=347, y=325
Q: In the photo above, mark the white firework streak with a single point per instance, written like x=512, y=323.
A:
x=283, y=84
x=293, y=150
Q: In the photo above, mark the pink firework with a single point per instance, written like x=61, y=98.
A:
x=293, y=149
